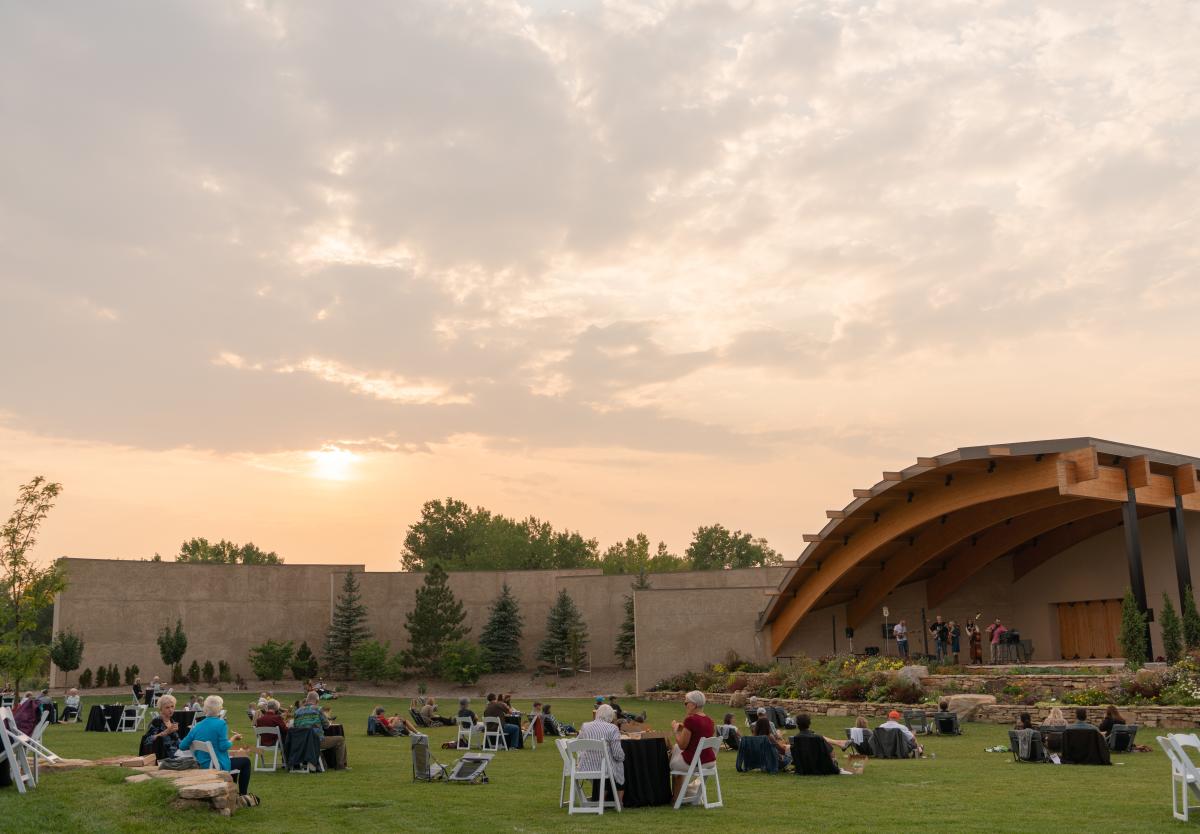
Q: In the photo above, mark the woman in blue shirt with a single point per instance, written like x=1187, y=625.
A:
x=215, y=731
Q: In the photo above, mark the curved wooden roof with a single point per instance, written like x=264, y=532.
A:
x=947, y=517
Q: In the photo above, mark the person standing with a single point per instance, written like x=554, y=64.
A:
x=995, y=630
x=974, y=638
x=900, y=632
x=955, y=635
x=941, y=635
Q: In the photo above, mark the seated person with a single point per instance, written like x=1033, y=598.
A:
x=860, y=736
x=323, y=693
x=194, y=704
x=944, y=719
x=762, y=727
x=1055, y=718
x=893, y=723
x=498, y=709
x=1112, y=717
x=162, y=735
x=1024, y=722
x=70, y=706
x=622, y=715
x=728, y=732
x=552, y=726
x=603, y=728
x=803, y=728
x=215, y=731
x=1052, y=729
x=310, y=716
x=693, y=729
x=45, y=704
x=270, y=717
x=25, y=714
x=139, y=694
x=394, y=726
x=430, y=716
x=1081, y=722
x=465, y=711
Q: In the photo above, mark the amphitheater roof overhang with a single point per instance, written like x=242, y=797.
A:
x=945, y=518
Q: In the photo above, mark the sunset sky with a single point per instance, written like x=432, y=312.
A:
x=283, y=271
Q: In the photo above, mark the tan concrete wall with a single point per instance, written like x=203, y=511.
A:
x=119, y=606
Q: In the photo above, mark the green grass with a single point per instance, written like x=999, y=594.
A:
x=963, y=790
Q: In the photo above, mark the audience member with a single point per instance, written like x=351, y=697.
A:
x=622, y=715
x=694, y=728
x=763, y=727
x=499, y=710
x=893, y=723
x=45, y=704
x=194, y=704
x=215, y=731
x=270, y=717
x=70, y=706
x=552, y=725
x=25, y=714
x=310, y=716
x=804, y=728
x=603, y=728
x=139, y=695
x=430, y=717
x=162, y=735
x=1081, y=721
x=1025, y=722
x=1055, y=718
x=394, y=726
x=1112, y=716
x=728, y=732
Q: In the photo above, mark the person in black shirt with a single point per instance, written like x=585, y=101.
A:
x=941, y=635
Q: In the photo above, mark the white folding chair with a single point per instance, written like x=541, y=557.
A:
x=24, y=747
x=530, y=735
x=131, y=718
x=705, y=772
x=576, y=749
x=16, y=753
x=1184, y=774
x=262, y=750
x=213, y=764
x=466, y=732
x=561, y=745
x=493, y=734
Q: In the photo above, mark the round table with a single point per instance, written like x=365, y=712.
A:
x=104, y=717
x=647, y=773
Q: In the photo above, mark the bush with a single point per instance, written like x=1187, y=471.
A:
x=209, y=672
x=194, y=672
x=462, y=662
x=1145, y=684
x=369, y=660
x=177, y=673
x=85, y=679
x=304, y=664
x=905, y=691
x=1087, y=698
x=223, y=672
x=270, y=659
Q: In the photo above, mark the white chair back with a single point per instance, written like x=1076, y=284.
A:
x=530, y=735
x=466, y=729
x=705, y=772
x=261, y=750
x=493, y=734
x=561, y=745
x=40, y=729
x=597, y=766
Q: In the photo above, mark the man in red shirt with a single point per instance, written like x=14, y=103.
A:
x=394, y=726
x=689, y=732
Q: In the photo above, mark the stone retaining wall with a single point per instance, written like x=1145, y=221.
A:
x=1040, y=686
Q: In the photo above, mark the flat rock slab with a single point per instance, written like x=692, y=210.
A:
x=139, y=761
x=68, y=764
x=137, y=777
x=202, y=790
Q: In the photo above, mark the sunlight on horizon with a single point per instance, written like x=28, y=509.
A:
x=333, y=464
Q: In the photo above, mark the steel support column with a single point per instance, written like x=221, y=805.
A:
x=1133, y=551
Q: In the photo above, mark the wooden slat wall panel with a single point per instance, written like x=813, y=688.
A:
x=1112, y=608
x=1102, y=643
x=1068, y=638
x=1089, y=628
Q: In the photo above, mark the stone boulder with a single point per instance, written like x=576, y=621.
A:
x=966, y=706
x=913, y=674
x=738, y=699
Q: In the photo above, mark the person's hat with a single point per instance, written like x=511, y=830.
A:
x=599, y=699
x=895, y=716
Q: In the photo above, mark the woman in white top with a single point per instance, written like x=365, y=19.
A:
x=70, y=706
x=603, y=729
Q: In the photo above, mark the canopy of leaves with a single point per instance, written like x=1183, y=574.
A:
x=67, y=651
x=435, y=620
x=225, y=553
x=371, y=660
x=270, y=659
x=501, y=638
x=714, y=548
x=633, y=556
x=462, y=662
x=347, y=630
x=304, y=664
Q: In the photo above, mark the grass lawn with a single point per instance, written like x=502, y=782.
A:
x=963, y=789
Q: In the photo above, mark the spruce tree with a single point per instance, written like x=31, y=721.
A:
x=436, y=619
x=1133, y=632
x=304, y=664
x=1191, y=620
x=347, y=630
x=501, y=639
x=566, y=633
x=626, y=637
x=1172, y=631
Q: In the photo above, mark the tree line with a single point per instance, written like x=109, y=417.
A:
x=451, y=534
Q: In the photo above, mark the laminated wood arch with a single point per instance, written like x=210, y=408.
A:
x=947, y=517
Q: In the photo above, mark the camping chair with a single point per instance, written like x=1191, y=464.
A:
x=1037, y=753
x=946, y=724
x=213, y=764
x=890, y=743
x=262, y=750
x=578, y=803
x=466, y=732
x=751, y=716
x=860, y=740
x=729, y=735
x=704, y=772
x=917, y=721
x=756, y=753
x=418, y=719
x=16, y=753
x=425, y=767
x=1084, y=746
x=1184, y=773
x=493, y=734
x=529, y=736
x=1121, y=737
x=780, y=718
x=303, y=750
x=810, y=756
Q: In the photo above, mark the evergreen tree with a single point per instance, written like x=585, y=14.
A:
x=501, y=639
x=1191, y=620
x=1172, y=631
x=304, y=664
x=1133, y=632
x=626, y=637
x=436, y=620
x=566, y=633
x=347, y=630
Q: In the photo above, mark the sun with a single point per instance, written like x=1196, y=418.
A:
x=332, y=464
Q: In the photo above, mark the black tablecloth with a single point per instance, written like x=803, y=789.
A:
x=647, y=772
x=184, y=718
x=100, y=715
x=335, y=730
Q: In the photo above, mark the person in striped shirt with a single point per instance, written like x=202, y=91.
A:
x=603, y=729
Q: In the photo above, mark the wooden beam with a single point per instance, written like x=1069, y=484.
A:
x=934, y=542
x=893, y=476
x=1185, y=479
x=862, y=493
x=1137, y=471
x=839, y=514
x=967, y=559
x=930, y=462
x=1018, y=478
x=813, y=537
x=1083, y=464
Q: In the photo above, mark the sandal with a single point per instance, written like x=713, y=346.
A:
x=248, y=800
